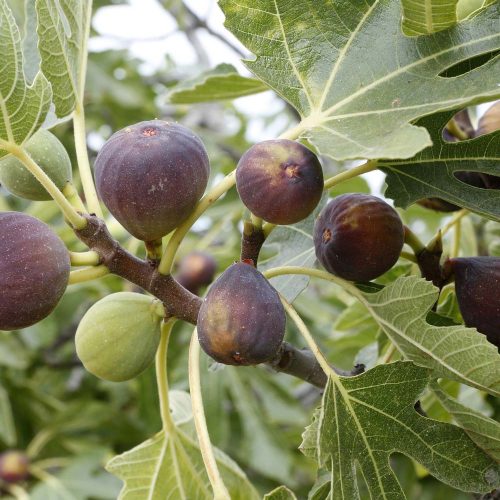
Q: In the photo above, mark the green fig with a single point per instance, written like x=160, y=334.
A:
x=358, y=237
x=50, y=155
x=241, y=320
x=118, y=336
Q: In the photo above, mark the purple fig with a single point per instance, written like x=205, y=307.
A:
x=241, y=321
x=196, y=269
x=477, y=285
x=13, y=466
x=34, y=270
x=151, y=175
x=280, y=181
x=358, y=237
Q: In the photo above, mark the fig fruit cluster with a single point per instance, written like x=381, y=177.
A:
x=241, y=320
x=358, y=237
x=50, y=155
x=151, y=175
x=118, y=336
x=34, y=270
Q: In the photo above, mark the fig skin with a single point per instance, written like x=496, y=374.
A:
x=280, y=181
x=118, y=336
x=151, y=175
x=34, y=270
x=477, y=285
x=358, y=237
x=196, y=269
x=13, y=466
x=50, y=155
x=241, y=320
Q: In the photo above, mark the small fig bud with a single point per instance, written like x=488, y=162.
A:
x=196, y=270
x=477, y=285
x=50, y=155
x=34, y=270
x=151, y=175
x=358, y=237
x=241, y=320
x=13, y=466
x=118, y=336
x=280, y=181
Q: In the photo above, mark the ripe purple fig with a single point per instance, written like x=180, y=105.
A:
x=477, y=285
x=280, y=181
x=358, y=237
x=151, y=175
x=13, y=466
x=34, y=270
x=241, y=321
x=196, y=270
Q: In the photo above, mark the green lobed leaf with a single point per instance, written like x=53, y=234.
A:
x=421, y=17
x=484, y=431
x=430, y=172
x=454, y=352
x=62, y=32
x=364, y=419
x=222, y=82
x=356, y=90
x=23, y=107
x=170, y=463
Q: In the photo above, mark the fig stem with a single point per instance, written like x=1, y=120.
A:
x=455, y=129
x=89, y=258
x=162, y=378
x=16, y=491
x=207, y=453
x=71, y=194
x=457, y=233
x=87, y=274
x=350, y=174
x=413, y=241
x=256, y=221
x=408, y=256
x=74, y=218
x=167, y=260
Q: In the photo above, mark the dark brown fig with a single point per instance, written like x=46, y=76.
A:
x=151, y=175
x=13, y=466
x=196, y=269
x=358, y=237
x=34, y=270
x=477, y=285
x=280, y=181
x=241, y=320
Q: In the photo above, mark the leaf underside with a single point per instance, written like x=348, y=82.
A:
x=421, y=17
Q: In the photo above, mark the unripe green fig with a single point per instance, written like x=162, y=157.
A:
x=50, y=155
x=241, y=320
x=13, y=466
x=477, y=285
x=280, y=181
x=358, y=237
x=196, y=270
x=118, y=336
x=151, y=175
x=34, y=270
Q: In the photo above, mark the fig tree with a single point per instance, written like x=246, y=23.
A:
x=358, y=237
x=280, y=181
x=151, y=175
x=196, y=270
x=477, y=285
x=51, y=156
x=118, y=336
x=13, y=466
x=34, y=270
x=241, y=321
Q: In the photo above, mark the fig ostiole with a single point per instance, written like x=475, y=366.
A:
x=48, y=152
x=358, y=237
x=280, y=181
x=151, y=175
x=477, y=286
x=118, y=336
x=34, y=270
x=241, y=320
